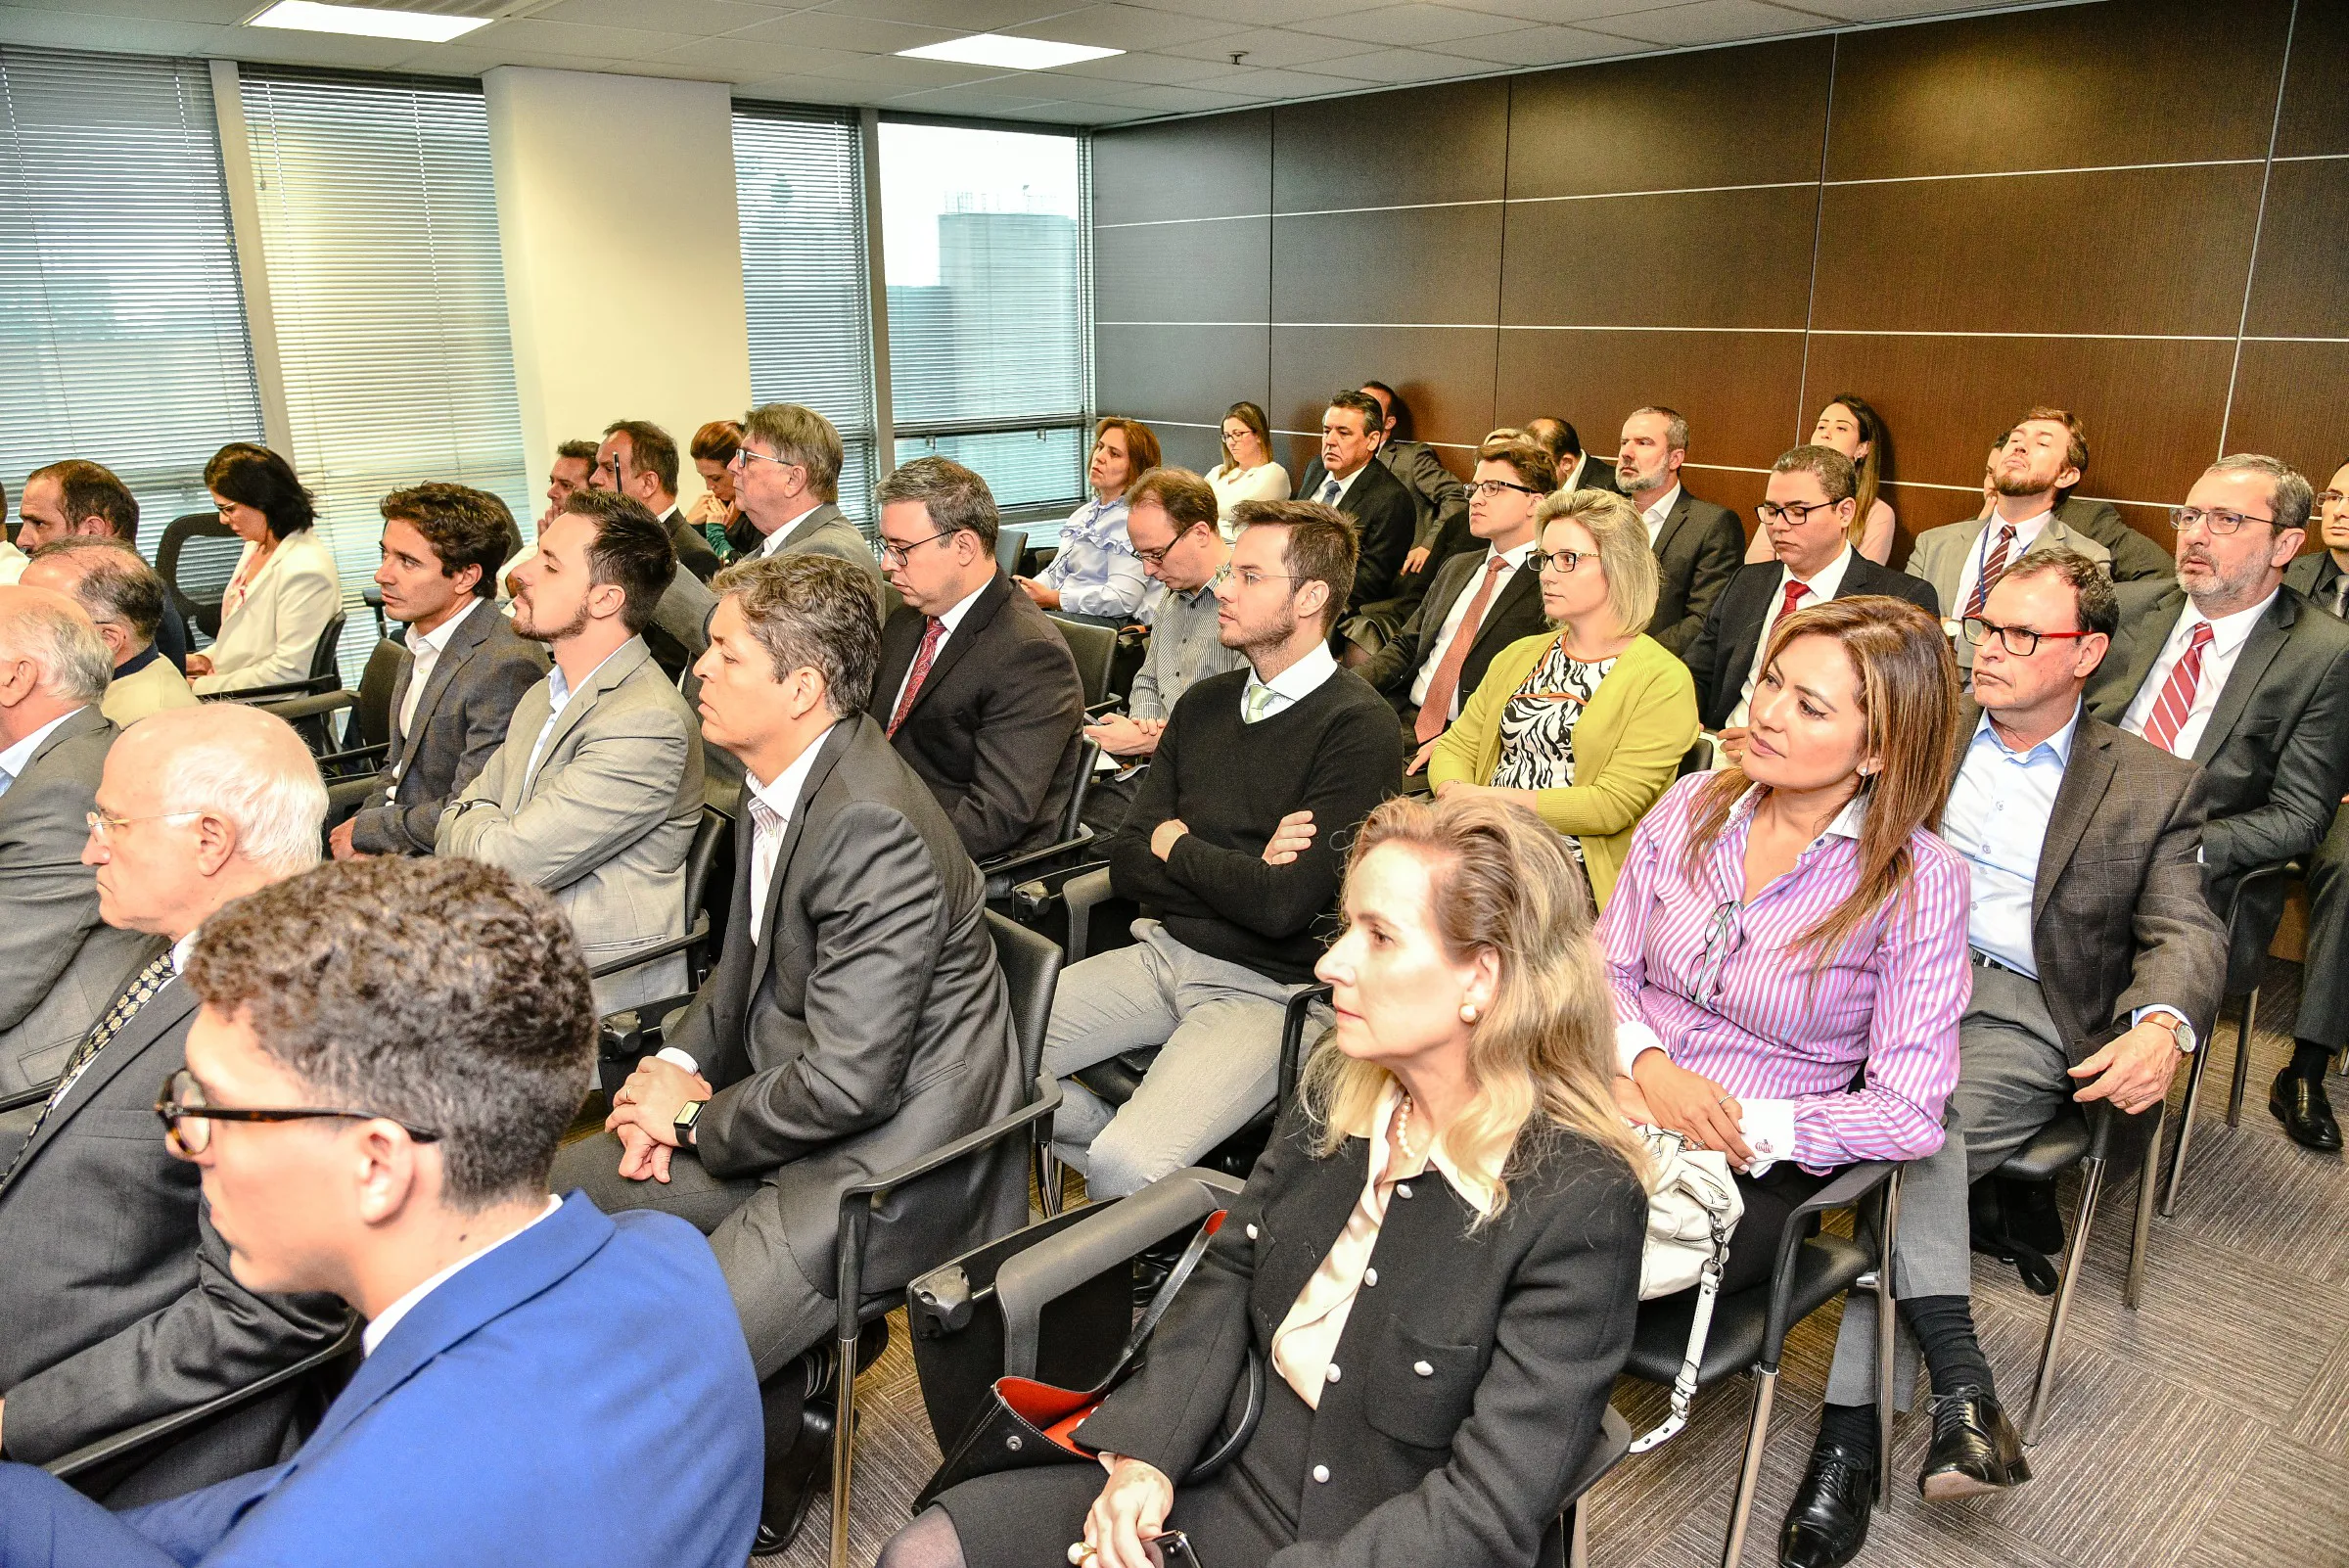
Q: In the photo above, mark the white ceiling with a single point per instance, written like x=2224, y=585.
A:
x=1178, y=53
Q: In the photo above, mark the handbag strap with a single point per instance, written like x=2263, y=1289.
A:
x=1167, y=1288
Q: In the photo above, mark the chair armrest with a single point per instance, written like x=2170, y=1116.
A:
x=1854, y=1183
x=1292, y=1037
x=636, y=1030
x=856, y=1202
x=698, y=933
x=369, y=758
x=316, y=685
x=90, y=1455
x=315, y=704
x=1032, y=1279
x=2249, y=879
x=18, y=1099
x=1104, y=707
x=1028, y=857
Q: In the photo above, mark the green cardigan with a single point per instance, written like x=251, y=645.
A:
x=1627, y=746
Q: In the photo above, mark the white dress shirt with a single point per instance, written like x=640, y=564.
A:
x=1290, y=687
x=951, y=618
x=559, y=692
x=1655, y=515
x=426, y=648
x=1824, y=585
x=2227, y=634
x=389, y=1318
x=774, y=540
x=1266, y=482
x=19, y=756
x=1514, y=562
x=1344, y=485
x=2026, y=531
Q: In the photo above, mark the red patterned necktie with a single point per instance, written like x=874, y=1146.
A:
x=1994, y=567
x=1444, y=683
x=1795, y=590
x=2176, y=698
x=932, y=635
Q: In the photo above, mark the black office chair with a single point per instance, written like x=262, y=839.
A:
x=1010, y=545
x=1073, y=841
x=326, y=672
x=1030, y=966
x=633, y=1033
x=2248, y=1022
x=1095, y=649
x=197, y=558
x=358, y=752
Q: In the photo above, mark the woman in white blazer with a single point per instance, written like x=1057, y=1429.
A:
x=1247, y=472
x=286, y=588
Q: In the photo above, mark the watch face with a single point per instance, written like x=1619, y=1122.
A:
x=691, y=1112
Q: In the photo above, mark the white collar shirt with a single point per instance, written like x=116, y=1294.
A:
x=774, y=540
x=389, y=1318
x=1655, y=515
x=1344, y=485
x=1824, y=584
x=1512, y=563
x=2026, y=533
x=950, y=619
x=1288, y=688
x=2227, y=634
x=19, y=756
x=782, y=798
x=426, y=648
x=559, y=692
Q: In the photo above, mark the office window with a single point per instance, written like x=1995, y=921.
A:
x=379, y=226
x=799, y=194
x=985, y=231
x=121, y=323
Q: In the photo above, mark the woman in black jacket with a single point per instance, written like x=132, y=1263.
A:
x=1437, y=1259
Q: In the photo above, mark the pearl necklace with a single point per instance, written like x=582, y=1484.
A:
x=1403, y=1131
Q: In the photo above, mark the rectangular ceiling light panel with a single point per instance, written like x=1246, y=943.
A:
x=1006, y=53
x=368, y=22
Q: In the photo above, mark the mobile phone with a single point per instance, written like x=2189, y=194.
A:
x=1172, y=1549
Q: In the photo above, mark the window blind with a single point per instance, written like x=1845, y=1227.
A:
x=986, y=304
x=799, y=189
x=121, y=321
x=379, y=228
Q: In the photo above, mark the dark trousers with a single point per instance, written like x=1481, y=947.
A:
x=45, y=1523
x=2324, y=976
x=1770, y=1203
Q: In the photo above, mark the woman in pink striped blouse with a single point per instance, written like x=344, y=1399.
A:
x=1784, y=928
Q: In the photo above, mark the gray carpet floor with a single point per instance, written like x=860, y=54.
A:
x=2207, y=1429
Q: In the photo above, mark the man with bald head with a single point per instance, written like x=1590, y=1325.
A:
x=58, y=963
x=124, y=600
x=116, y=1304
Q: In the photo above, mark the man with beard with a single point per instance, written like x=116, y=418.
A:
x=1698, y=545
x=597, y=788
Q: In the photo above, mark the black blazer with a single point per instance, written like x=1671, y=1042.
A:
x=994, y=730
x=2134, y=557
x=869, y=1026
x=1725, y=650
x=1698, y=550
x=694, y=554
x=2317, y=576
x=1589, y=472
x=1516, y=613
x=1386, y=519
x=116, y=1304
x=2274, y=752
x=461, y=722
x=1482, y=1441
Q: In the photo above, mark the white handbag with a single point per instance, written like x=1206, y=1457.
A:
x=1692, y=1211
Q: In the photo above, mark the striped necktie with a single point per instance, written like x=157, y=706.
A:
x=150, y=980
x=2177, y=699
x=1994, y=567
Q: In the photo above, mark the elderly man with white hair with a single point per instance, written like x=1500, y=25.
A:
x=117, y=1304
x=60, y=965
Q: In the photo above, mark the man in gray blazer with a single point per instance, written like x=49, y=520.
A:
x=60, y=964
x=117, y=1300
x=597, y=790
x=857, y=1019
x=1436, y=490
x=787, y=476
x=1698, y=545
x=2097, y=965
x=467, y=666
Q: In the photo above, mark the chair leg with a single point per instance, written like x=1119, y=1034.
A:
x=2185, y=1131
x=844, y=1445
x=2242, y=1057
x=2092, y=1179
x=1578, y=1540
x=2142, y=1234
x=1887, y=1332
x=1048, y=1180
x=1749, y=1474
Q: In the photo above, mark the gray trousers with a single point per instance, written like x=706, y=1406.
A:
x=2012, y=1081
x=1219, y=1024
x=2324, y=976
x=782, y=1312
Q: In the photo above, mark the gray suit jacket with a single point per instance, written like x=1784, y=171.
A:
x=826, y=531
x=1437, y=492
x=2275, y=751
x=116, y=1304
x=1941, y=555
x=60, y=964
x=869, y=1026
x=2134, y=558
x=606, y=820
x=1698, y=550
x=461, y=720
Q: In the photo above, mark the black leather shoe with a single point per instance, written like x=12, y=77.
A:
x=1827, y=1523
x=2299, y=1103
x=1975, y=1448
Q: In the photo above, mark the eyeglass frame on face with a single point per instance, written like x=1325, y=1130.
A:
x=171, y=1110
x=1494, y=486
x=743, y=451
x=1151, y=558
x=102, y=825
x=2008, y=635
x=1795, y=512
x=1540, y=559
x=898, y=553
x=2325, y=499
x=2207, y=518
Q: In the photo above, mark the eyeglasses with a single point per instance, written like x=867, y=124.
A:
x=1158, y=556
x=1250, y=577
x=2217, y=519
x=2017, y=640
x=1564, y=560
x=103, y=823
x=2326, y=498
x=895, y=554
x=188, y=1121
x=1793, y=511
x=1493, y=487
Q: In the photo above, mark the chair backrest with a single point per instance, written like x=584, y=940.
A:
x=713, y=842
x=1010, y=545
x=1073, y=817
x=1031, y=970
x=1095, y=649
x=371, y=714
x=326, y=668
x=195, y=559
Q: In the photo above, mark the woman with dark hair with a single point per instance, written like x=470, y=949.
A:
x=1456, y=1130
x=286, y=587
x=1247, y=472
x=713, y=450
x=1094, y=571
x=1852, y=427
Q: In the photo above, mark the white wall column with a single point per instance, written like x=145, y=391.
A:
x=623, y=255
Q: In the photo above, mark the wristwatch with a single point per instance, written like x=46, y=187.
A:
x=686, y=1118
x=2179, y=1031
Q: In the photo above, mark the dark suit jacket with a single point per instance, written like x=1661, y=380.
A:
x=461, y=720
x=994, y=729
x=1589, y=472
x=1437, y=494
x=1515, y=613
x=1723, y=651
x=1386, y=520
x=2118, y=916
x=2134, y=558
x=869, y=1025
x=2317, y=576
x=2274, y=752
x=1476, y=1371
x=1698, y=550
x=694, y=554
x=116, y=1304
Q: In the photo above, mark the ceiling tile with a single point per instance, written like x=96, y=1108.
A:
x=215, y=13
x=1163, y=69
x=960, y=16
x=1067, y=113
x=1397, y=66
x=740, y=58
x=612, y=46
x=967, y=101
x=912, y=75
x=1263, y=86
x=1408, y=24
x=1557, y=12
x=59, y=30
x=1542, y=46
x=1260, y=13
x=1269, y=49
x=1708, y=22
x=1123, y=26
x=705, y=17
x=862, y=35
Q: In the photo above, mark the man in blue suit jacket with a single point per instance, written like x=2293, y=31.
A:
x=388, y=1052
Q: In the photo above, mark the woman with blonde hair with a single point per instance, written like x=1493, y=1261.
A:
x=1437, y=1259
x=1247, y=472
x=1584, y=725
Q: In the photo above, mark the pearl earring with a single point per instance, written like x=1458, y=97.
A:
x=1467, y=1012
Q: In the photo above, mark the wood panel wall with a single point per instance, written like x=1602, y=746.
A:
x=2136, y=208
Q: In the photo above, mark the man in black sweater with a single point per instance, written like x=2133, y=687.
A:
x=1234, y=851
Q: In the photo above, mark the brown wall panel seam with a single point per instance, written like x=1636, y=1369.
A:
x=1501, y=259
x=2243, y=324
x=2029, y=173
x=2309, y=158
x=1818, y=225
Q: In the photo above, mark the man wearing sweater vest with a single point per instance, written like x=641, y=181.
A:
x=1234, y=851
